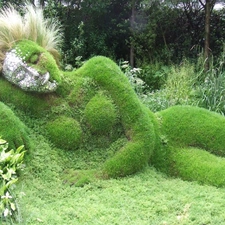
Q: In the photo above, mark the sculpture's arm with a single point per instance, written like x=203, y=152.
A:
x=136, y=119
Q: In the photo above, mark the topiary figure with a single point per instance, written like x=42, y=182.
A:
x=98, y=97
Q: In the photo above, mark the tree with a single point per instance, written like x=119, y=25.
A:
x=13, y=2
x=208, y=7
x=198, y=6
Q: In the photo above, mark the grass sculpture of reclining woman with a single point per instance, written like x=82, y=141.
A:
x=96, y=106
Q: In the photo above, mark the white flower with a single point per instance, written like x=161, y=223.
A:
x=124, y=66
x=7, y=212
x=134, y=70
x=139, y=81
x=6, y=196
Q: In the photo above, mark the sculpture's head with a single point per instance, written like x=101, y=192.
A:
x=28, y=50
x=31, y=67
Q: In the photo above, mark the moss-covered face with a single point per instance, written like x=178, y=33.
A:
x=31, y=67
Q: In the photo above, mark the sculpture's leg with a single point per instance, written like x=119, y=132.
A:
x=12, y=129
x=193, y=126
x=198, y=165
x=187, y=131
x=191, y=164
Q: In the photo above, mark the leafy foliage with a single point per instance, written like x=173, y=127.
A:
x=133, y=74
x=178, y=88
x=154, y=75
x=211, y=92
x=10, y=162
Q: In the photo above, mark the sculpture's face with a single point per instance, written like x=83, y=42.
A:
x=31, y=68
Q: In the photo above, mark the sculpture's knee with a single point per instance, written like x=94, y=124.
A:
x=12, y=129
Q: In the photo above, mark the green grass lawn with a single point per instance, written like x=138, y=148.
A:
x=149, y=197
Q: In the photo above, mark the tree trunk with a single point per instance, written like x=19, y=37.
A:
x=132, y=21
x=207, y=33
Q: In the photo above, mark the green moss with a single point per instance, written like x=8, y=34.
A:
x=12, y=129
x=100, y=114
x=79, y=178
x=34, y=58
x=82, y=91
x=38, y=58
x=31, y=103
x=64, y=132
x=193, y=126
x=194, y=164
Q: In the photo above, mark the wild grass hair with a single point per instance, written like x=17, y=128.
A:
x=31, y=26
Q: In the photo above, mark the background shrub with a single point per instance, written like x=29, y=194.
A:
x=212, y=91
x=154, y=75
x=178, y=89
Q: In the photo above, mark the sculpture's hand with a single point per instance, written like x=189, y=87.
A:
x=12, y=129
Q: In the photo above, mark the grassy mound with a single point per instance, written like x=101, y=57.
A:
x=95, y=107
x=198, y=165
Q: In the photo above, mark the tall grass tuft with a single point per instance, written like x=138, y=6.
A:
x=43, y=31
x=212, y=90
x=178, y=88
x=11, y=29
x=32, y=26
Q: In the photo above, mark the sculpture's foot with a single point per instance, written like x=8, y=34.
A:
x=192, y=164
